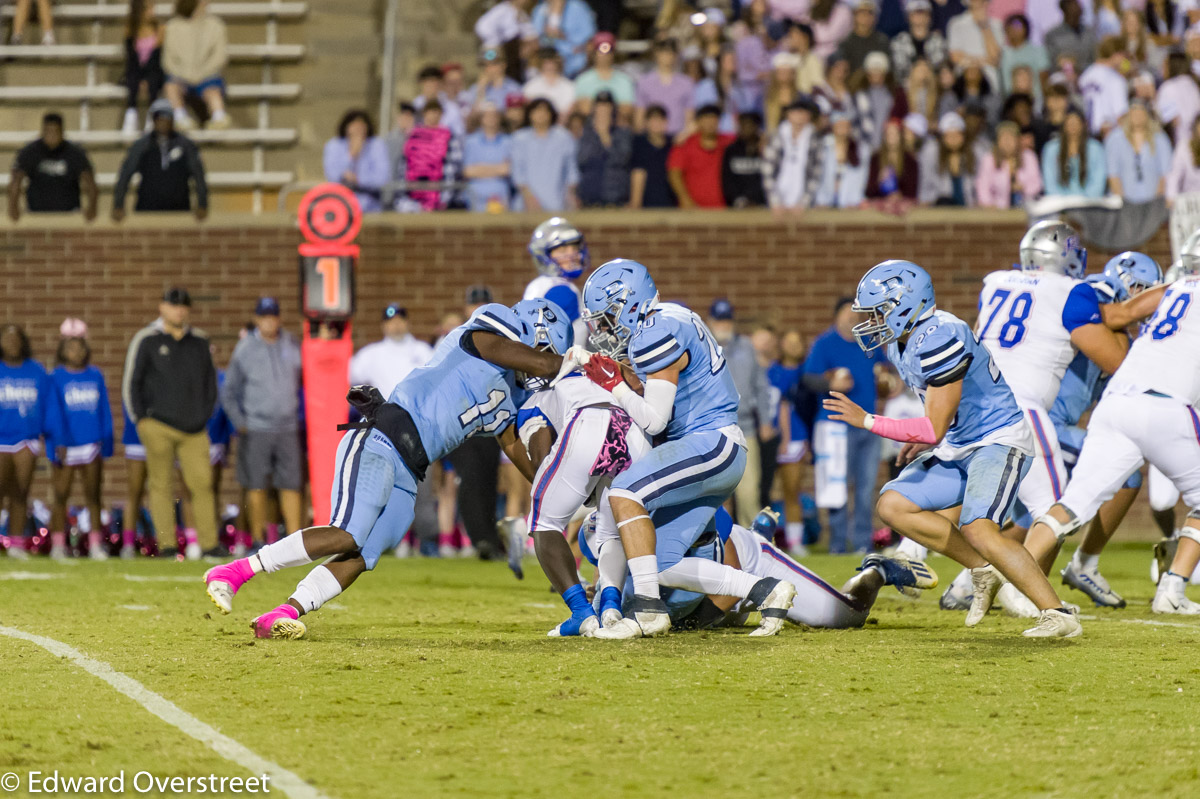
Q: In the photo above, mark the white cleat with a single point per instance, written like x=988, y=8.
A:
x=1092, y=583
x=650, y=618
x=221, y=594
x=774, y=610
x=587, y=628
x=98, y=554
x=193, y=552
x=128, y=553
x=1177, y=604
x=1015, y=603
x=610, y=618
x=1055, y=623
x=985, y=582
x=447, y=551
x=59, y=553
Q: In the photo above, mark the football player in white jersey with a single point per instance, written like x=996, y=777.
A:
x=1147, y=413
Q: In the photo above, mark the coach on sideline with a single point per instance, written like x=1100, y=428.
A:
x=170, y=390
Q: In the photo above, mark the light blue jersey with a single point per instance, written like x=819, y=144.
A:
x=706, y=398
x=1081, y=386
x=942, y=350
x=458, y=395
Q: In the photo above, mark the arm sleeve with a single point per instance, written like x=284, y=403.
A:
x=231, y=391
x=128, y=167
x=498, y=319
x=654, y=349
x=106, y=420
x=373, y=169
x=652, y=412
x=135, y=401
x=1082, y=308
x=196, y=166
x=944, y=358
x=209, y=397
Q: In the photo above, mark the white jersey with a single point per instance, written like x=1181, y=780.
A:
x=1166, y=357
x=559, y=290
x=1025, y=321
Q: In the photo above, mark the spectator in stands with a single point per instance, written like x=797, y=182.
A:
x=193, y=58
x=694, y=166
x=710, y=37
x=57, y=171
x=1106, y=17
x=921, y=90
x=1141, y=48
x=920, y=41
x=793, y=160
x=358, y=159
x=1178, y=100
x=432, y=154
x=947, y=166
x=1072, y=38
x=1073, y=163
x=877, y=96
x=810, y=67
x=753, y=54
x=1009, y=175
x=605, y=149
x=836, y=94
x=741, y=167
x=649, y=185
x=831, y=21
x=667, y=87
x=567, y=26
x=1105, y=90
x=1138, y=156
x=1164, y=22
x=493, y=87
x=892, y=173
x=167, y=161
x=973, y=89
x=1018, y=51
x=432, y=89
x=844, y=166
x=545, y=167
x=781, y=89
x=261, y=397
x=604, y=77
x=916, y=129
x=170, y=390
x=507, y=27
x=402, y=125
x=21, y=17
x=721, y=90
x=1184, y=175
x=143, y=60
x=455, y=89
x=863, y=37
x=1054, y=114
x=514, y=112
x=975, y=38
x=487, y=163
x=550, y=84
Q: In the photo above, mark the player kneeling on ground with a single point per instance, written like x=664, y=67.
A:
x=983, y=442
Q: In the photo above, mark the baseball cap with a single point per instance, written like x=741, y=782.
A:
x=477, y=294
x=918, y=5
x=866, y=5
x=393, y=310
x=918, y=124
x=160, y=107
x=177, y=295
x=451, y=66
x=604, y=42
x=489, y=54
x=714, y=15
x=951, y=122
x=514, y=100
x=266, y=306
x=876, y=60
x=721, y=309
x=73, y=328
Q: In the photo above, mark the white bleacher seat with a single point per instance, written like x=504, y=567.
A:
x=94, y=12
x=116, y=52
x=98, y=139
x=220, y=180
x=111, y=92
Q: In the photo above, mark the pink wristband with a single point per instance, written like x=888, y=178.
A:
x=910, y=431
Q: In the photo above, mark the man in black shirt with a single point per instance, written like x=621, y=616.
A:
x=741, y=170
x=57, y=171
x=649, y=186
x=166, y=160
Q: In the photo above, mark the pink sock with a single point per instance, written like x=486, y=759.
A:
x=58, y=539
x=94, y=541
x=128, y=538
x=272, y=534
x=287, y=610
x=189, y=536
x=236, y=573
x=447, y=540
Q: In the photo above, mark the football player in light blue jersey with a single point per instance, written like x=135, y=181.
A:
x=983, y=442
x=690, y=399
x=472, y=385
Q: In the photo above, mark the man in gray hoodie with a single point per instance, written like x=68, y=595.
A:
x=261, y=396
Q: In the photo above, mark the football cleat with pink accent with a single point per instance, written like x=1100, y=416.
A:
x=282, y=622
x=222, y=582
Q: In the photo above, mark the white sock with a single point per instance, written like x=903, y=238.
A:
x=912, y=549
x=963, y=582
x=1085, y=561
x=644, y=570
x=316, y=589
x=286, y=552
x=708, y=577
x=218, y=115
x=1172, y=584
x=793, y=532
x=610, y=566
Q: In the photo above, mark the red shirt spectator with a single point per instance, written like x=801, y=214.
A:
x=694, y=166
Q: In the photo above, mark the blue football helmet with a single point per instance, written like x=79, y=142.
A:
x=544, y=326
x=898, y=295
x=1053, y=247
x=1108, y=289
x=1135, y=271
x=617, y=297
x=549, y=236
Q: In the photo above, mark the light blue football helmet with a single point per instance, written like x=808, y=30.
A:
x=898, y=295
x=544, y=326
x=1052, y=246
x=1134, y=271
x=549, y=236
x=617, y=297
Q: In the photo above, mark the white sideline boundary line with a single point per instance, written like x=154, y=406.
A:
x=168, y=711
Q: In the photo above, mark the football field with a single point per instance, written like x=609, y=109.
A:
x=434, y=678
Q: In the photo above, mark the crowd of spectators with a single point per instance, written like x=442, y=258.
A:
x=796, y=104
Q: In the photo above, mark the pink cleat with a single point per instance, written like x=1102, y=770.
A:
x=222, y=582
x=282, y=622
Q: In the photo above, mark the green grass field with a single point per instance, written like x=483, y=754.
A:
x=435, y=678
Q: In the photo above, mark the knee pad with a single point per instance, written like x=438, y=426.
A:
x=1191, y=532
x=1060, y=529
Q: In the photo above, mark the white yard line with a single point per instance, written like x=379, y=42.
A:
x=138, y=578
x=171, y=713
x=1151, y=622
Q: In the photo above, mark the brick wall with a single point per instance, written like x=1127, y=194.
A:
x=786, y=274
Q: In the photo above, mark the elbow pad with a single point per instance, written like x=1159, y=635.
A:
x=653, y=411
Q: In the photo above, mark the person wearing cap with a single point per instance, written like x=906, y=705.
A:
x=694, y=165
x=603, y=76
x=921, y=40
x=431, y=88
x=1073, y=37
x=1138, y=155
x=567, y=26
x=792, y=162
x=665, y=85
x=261, y=397
x=1105, y=90
x=604, y=152
x=169, y=164
x=54, y=173
x=1019, y=51
x=84, y=439
x=756, y=411
x=877, y=98
x=194, y=54
x=487, y=163
x=947, y=165
x=864, y=38
x=493, y=86
x=170, y=389
x=545, y=167
x=506, y=26
x=810, y=67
